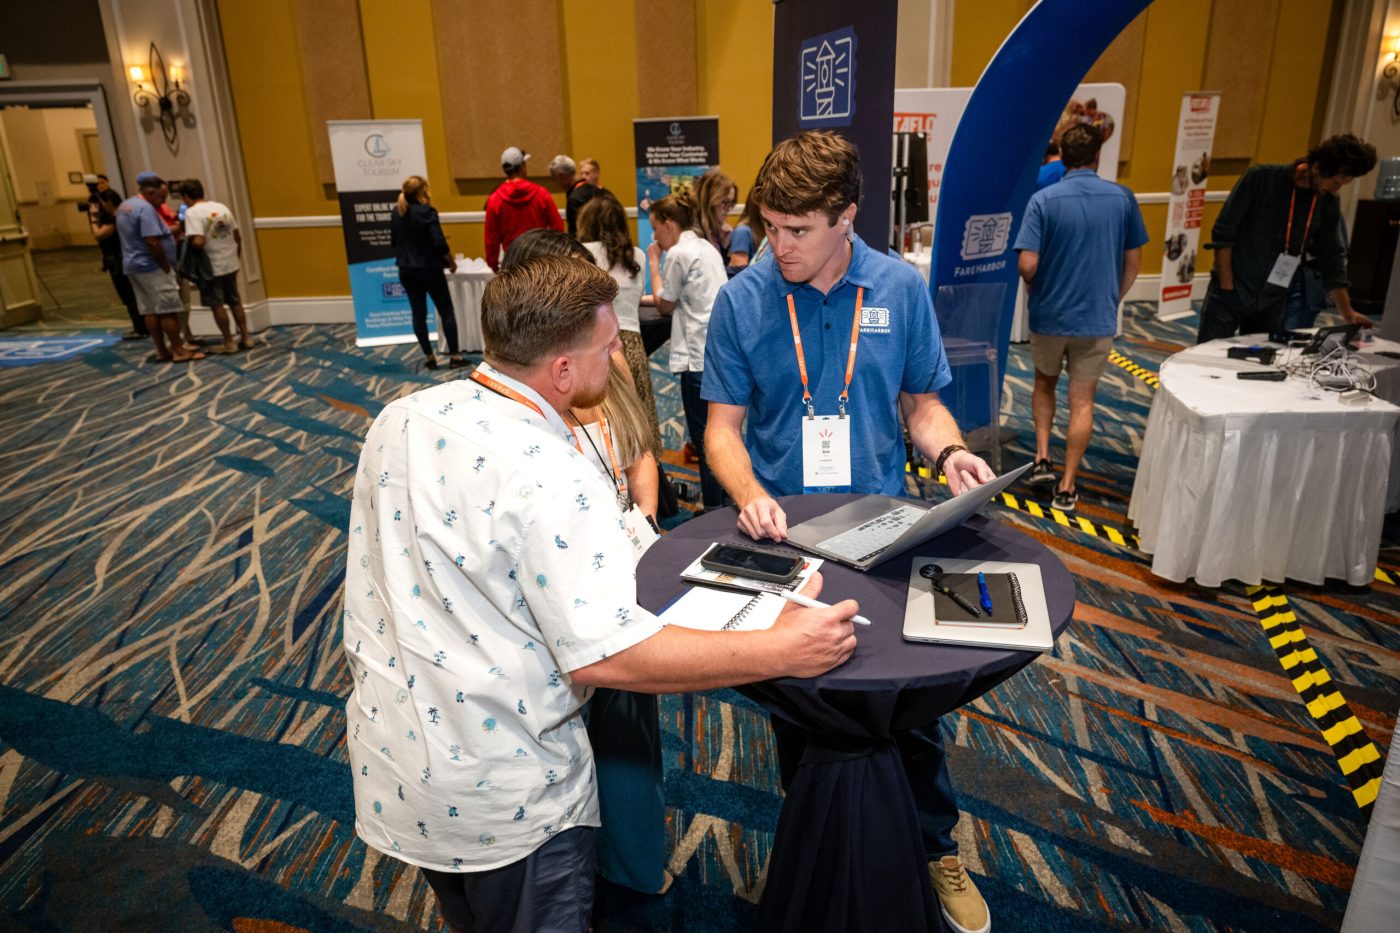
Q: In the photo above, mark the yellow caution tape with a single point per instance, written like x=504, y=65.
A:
x=1133, y=369
x=1357, y=755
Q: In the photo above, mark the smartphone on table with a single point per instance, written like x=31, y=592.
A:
x=755, y=563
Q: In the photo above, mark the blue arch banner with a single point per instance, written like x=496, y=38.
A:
x=991, y=168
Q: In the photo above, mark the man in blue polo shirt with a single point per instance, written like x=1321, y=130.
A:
x=1080, y=250
x=869, y=347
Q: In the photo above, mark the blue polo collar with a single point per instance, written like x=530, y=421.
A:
x=857, y=273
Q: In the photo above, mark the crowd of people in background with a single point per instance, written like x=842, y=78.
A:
x=158, y=257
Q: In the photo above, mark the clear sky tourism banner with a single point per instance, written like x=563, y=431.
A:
x=372, y=158
x=1195, y=133
x=671, y=153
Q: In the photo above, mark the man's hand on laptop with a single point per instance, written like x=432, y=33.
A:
x=965, y=470
x=762, y=517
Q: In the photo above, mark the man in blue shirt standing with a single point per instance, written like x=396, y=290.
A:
x=820, y=346
x=148, y=260
x=1080, y=250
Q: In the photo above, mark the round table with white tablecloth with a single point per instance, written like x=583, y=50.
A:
x=467, y=283
x=1254, y=481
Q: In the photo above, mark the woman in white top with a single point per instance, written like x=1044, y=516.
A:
x=685, y=292
x=602, y=226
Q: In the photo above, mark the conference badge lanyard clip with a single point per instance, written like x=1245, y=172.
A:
x=826, y=439
x=1286, y=265
x=641, y=531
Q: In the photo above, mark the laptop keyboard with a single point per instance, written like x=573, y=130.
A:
x=872, y=537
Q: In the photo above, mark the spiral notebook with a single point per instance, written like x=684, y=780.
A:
x=1003, y=589
x=932, y=617
x=729, y=603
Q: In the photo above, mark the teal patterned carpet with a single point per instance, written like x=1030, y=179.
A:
x=171, y=682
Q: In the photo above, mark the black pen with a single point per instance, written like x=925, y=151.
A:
x=946, y=591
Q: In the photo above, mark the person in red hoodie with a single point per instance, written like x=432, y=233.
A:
x=518, y=205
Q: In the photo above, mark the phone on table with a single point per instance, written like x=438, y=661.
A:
x=754, y=563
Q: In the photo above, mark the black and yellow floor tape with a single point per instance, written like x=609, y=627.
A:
x=1040, y=510
x=1133, y=369
x=1357, y=755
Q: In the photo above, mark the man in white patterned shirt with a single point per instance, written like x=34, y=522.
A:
x=489, y=588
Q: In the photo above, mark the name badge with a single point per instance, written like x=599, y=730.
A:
x=1284, y=268
x=826, y=453
x=640, y=534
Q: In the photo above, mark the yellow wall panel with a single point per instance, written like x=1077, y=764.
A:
x=335, y=79
x=979, y=28
x=600, y=57
x=303, y=262
x=404, y=85
x=736, y=82
x=273, y=124
x=1295, y=82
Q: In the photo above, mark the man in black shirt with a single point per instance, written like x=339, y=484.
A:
x=1276, y=216
x=577, y=191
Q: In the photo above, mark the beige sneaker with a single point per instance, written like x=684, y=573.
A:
x=958, y=896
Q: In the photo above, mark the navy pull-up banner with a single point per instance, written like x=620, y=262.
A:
x=991, y=168
x=833, y=69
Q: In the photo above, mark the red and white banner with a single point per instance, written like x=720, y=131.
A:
x=1195, y=133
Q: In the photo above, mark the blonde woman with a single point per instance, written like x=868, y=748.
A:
x=422, y=254
x=622, y=726
x=715, y=195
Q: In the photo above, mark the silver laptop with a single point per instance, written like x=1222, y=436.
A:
x=871, y=530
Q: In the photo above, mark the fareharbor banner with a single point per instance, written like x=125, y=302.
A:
x=1195, y=132
x=671, y=153
x=991, y=169
x=372, y=158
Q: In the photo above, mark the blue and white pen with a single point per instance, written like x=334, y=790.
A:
x=986, y=597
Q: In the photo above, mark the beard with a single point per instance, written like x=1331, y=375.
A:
x=589, y=397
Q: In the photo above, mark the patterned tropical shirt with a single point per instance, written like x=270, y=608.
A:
x=487, y=560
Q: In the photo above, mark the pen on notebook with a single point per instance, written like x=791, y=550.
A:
x=948, y=592
x=982, y=588
x=811, y=603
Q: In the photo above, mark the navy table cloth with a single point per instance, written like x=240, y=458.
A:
x=847, y=854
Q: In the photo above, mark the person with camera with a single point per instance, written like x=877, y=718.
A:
x=102, y=221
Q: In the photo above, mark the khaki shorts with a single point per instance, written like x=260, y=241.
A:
x=156, y=292
x=1084, y=357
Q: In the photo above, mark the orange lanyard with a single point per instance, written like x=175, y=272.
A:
x=501, y=388
x=850, y=357
x=1288, y=231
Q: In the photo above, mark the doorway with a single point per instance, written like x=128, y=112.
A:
x=55, y=160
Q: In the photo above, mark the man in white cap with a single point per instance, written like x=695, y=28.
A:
x=516, y=206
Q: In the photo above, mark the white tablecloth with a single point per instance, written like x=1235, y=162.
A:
x=1256, y=481
x=466, y=284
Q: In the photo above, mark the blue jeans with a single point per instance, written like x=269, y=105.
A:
x=697, y=413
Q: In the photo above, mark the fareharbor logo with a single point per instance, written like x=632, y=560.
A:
x=826, y=95
x=986, y=235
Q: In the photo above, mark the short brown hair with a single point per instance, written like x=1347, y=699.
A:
x=812, y=171
x=545, y=305
x=1079, y=145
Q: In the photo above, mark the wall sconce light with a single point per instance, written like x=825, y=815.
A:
x=1390, y=55
x=172, y=100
